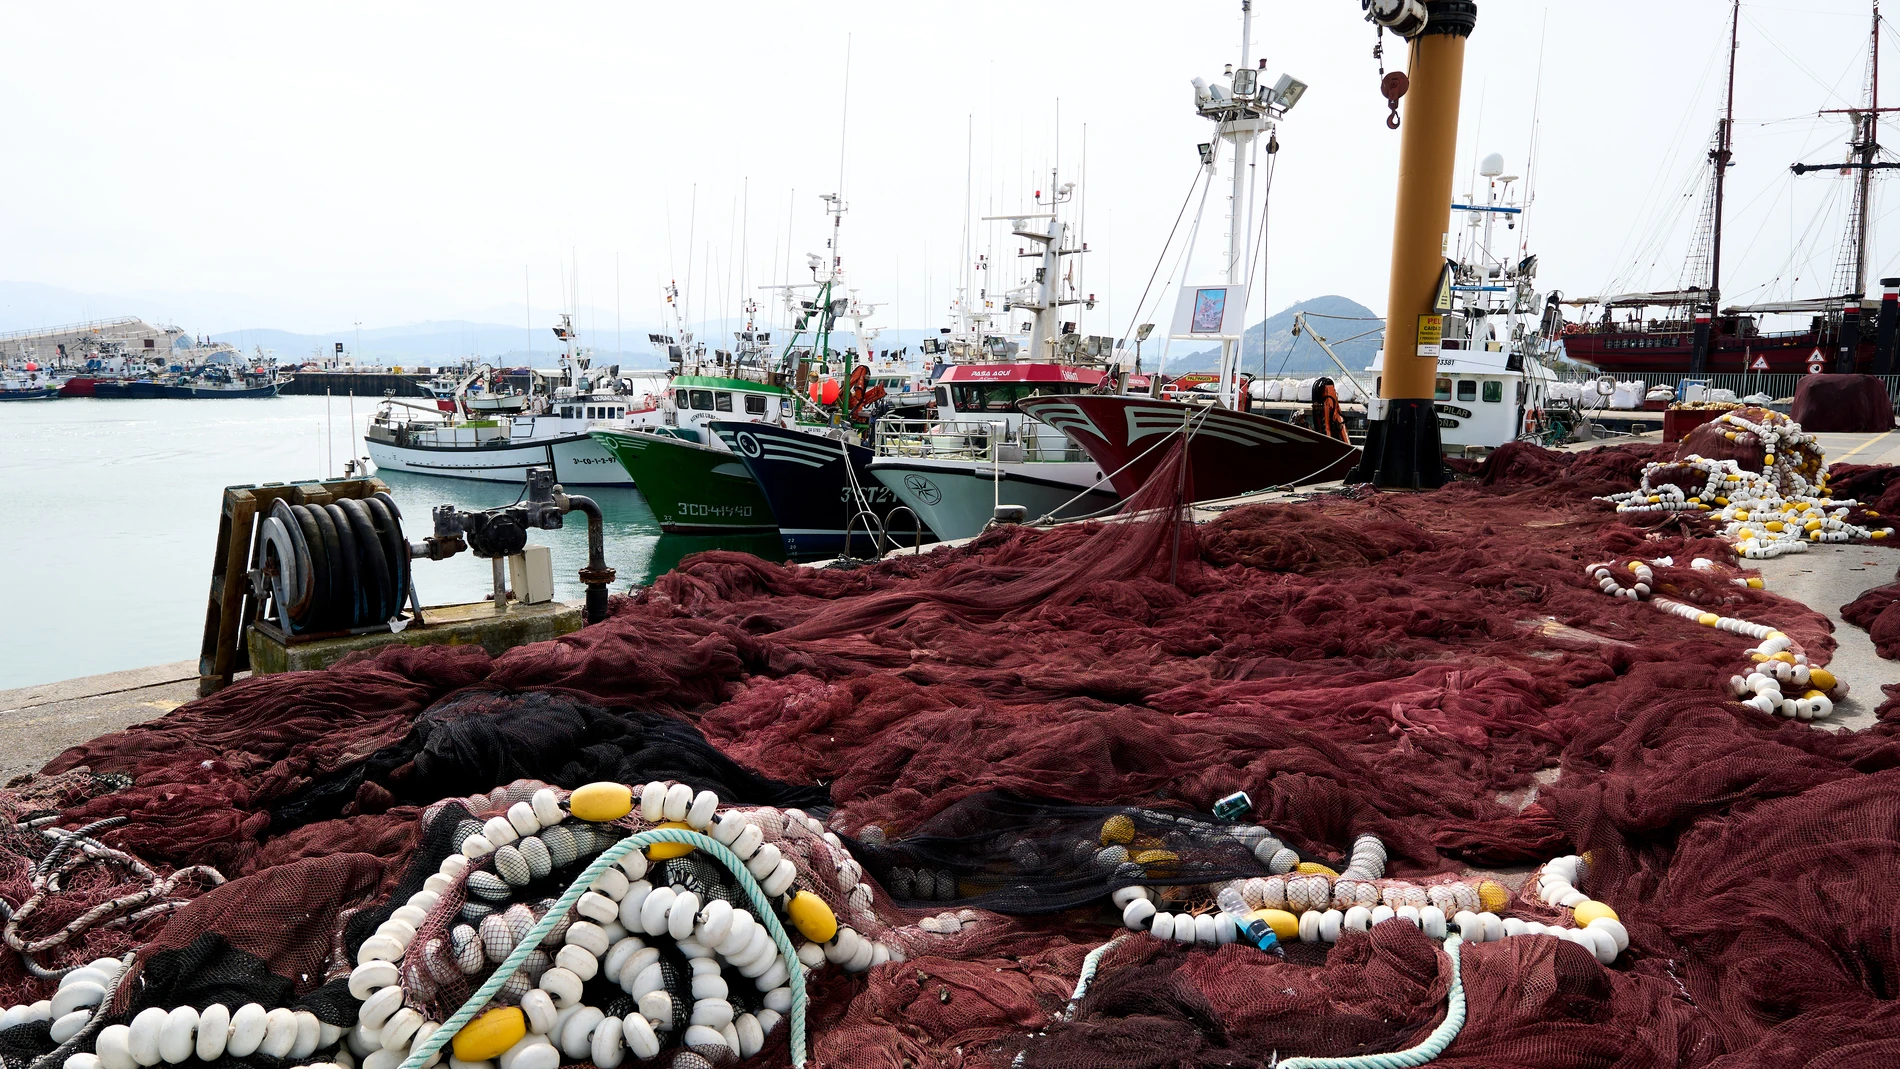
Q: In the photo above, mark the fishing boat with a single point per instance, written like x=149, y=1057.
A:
x=30, y=382
x=1498, y=338
x=979, y=453
x=820, y=490
x=691, y=480
x=707, y=469
x=501, y=447
x=228, y=381
x=815, y=473
x=1228, y=451
x=1688, y=331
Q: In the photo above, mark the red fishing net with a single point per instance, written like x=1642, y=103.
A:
x=1432, y=668
x=1842, y=403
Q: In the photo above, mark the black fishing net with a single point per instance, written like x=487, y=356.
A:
x=1026, y=856
x=475, y=739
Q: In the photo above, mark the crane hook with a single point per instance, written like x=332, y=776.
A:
x=1394, y=85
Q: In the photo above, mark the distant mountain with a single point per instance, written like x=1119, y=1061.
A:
x=1272, y=341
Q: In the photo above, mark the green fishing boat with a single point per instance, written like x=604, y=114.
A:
x=685, y=467
x=691, y=481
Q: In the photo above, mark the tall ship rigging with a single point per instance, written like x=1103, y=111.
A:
x=1688, y=331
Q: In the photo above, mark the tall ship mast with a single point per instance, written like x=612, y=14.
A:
x=1688, y=331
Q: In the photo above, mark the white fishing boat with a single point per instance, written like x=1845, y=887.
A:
x=1494, y=380
x=981, y=453
x=551, y=431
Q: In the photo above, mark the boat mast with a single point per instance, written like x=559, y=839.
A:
x=1869, y=146
x=1850, y=274
x=1239, y=130
x=1719, y=158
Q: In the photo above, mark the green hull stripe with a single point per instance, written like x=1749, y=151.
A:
x=690, y=485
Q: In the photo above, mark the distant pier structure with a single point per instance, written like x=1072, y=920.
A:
x=359, y=381
x=74, y=341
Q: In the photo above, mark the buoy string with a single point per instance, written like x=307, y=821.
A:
x=584, y=882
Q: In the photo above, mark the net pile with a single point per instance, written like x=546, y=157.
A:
x=1436, y=670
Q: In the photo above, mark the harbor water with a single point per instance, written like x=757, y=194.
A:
x=113, y=519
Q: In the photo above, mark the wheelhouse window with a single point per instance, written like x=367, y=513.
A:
x=1493, y=392
x=1441, y=390
x=723, y=402
x=702, y=400
x=1002, y=396
x=679, y=399
x=1467, y=390
x=754, y=405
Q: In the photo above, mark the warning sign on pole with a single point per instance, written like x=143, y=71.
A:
x=1431, y=331
x=1760, y=364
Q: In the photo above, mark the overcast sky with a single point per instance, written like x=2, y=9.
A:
x=306, y=166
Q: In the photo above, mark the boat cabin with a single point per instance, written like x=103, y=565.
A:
x=693, y=401
x=983, y=391
x=1481, y=399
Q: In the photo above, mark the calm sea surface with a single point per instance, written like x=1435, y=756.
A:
x=111, y=520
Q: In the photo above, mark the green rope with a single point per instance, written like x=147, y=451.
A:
x=639, y=840
x=1432, y=1047
x=1089, y=965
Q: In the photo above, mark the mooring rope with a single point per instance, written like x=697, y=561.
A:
x=1433, y=1045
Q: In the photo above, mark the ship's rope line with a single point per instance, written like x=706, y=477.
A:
x=1049, y=517
x=1431, y=1047
x=1163, y=256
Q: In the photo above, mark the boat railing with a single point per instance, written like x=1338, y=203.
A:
x=973, y=440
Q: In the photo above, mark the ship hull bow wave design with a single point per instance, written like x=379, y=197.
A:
x=1229, y=452
x=811, y=490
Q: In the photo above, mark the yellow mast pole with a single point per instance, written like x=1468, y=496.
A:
x=1402, y=444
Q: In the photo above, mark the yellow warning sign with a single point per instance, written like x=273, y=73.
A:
x=1431, y=332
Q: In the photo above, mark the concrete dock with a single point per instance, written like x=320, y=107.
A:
x=40, y=722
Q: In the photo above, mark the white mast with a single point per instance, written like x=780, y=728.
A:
x=1242, y=110
x=1240, y=131
x=1043, y=295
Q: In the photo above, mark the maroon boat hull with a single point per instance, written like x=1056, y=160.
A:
x=1229, y=453
x=1672, y=354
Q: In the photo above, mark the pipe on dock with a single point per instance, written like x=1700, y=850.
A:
x=596, y=575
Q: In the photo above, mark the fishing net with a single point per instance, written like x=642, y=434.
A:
x=973, y=726
x=1842, y=403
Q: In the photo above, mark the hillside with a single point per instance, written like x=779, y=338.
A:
x=1272, y=341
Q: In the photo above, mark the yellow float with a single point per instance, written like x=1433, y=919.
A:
x=601, y=801
x=813, y=919
x=669, y=851
x=488, y=1035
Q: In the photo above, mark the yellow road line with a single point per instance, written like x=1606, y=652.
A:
x=1876, y=438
